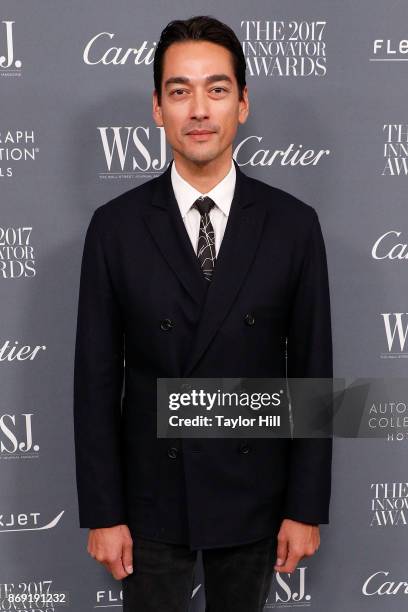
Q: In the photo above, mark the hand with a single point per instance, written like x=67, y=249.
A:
x=295, y=540
x=112, y=546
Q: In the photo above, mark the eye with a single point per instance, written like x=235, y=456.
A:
x=220, y=88
x=175, y=91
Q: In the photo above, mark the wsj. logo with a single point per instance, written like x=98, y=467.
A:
x=291, y=591
x=384, y=247
x=16, y=436
x=376, y=585
x=7, y=62
x=396, y=329
x=120, y=144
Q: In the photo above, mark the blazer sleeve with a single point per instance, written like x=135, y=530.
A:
x=309, y=355
x=98, y=379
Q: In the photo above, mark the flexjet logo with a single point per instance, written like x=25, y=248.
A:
x=27, y=521
x=388, y=50
x=9, y=66
x=396, y=329
x=112, y=598
x=109, y=598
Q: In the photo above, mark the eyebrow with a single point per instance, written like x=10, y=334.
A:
x=210, y=79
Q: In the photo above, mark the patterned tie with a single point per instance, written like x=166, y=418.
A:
x=206, y=238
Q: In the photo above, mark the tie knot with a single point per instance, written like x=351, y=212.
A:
x=204, y=204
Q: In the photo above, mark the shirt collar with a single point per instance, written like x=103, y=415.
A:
x=186, y=194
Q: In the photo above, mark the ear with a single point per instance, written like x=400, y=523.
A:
x=243, y=106
x=156, y=110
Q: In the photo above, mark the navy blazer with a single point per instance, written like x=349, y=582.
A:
x=145, y=311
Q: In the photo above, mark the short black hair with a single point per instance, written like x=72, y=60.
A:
x=200, y=27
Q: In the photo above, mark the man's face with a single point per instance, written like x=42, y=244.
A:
x=199, y=92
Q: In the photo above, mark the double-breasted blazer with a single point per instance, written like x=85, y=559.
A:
x=145, y=311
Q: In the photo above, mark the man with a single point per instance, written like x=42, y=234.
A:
x=201, y=272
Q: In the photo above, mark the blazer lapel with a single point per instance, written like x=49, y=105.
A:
x=166, y=225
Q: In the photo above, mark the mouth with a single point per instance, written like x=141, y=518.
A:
x=200, y=134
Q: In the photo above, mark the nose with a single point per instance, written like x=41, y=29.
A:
x=199, y=106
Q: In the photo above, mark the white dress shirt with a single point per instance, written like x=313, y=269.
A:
x=222, y=195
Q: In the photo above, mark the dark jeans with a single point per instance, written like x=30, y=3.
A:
x=237, y=578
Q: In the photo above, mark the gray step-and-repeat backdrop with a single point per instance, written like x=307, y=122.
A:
x=328, y=86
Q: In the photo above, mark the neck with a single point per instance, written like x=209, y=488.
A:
x=203, y=175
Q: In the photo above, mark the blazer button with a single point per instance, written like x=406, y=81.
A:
x=166, y=324
x=244, y=448
x=249, y=319
x=172, y=452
